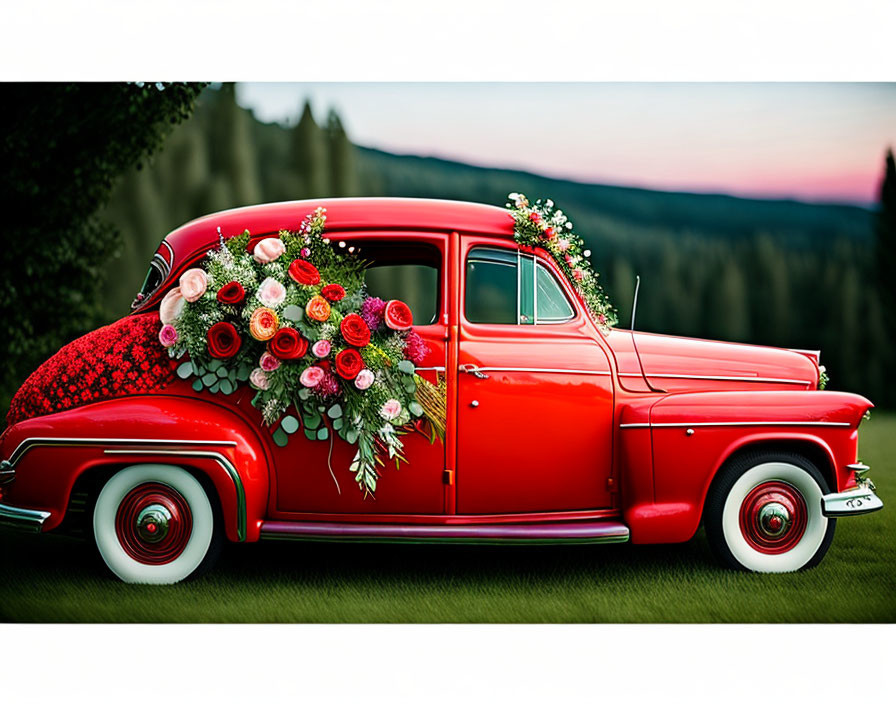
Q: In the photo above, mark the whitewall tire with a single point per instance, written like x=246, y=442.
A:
x=763, y=513
x=154, y=524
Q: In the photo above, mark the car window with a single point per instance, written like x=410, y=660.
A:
x=407, y=273
x=158, y=271
x=511, y=288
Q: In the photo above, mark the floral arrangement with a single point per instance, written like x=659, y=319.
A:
x=116, y=360
x=540, y=225
x=293, y=320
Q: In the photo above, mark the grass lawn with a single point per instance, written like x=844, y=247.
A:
x=60, y=580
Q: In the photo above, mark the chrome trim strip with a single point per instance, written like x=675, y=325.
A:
x=541, y=369
x=171, y=252
x=430, y=369
x=24, y=519
x=7, y=472
x=28, y=443
x=221, y=460
x=859, y=468
x=758, y=379
x=854, y=502
x=829, y=424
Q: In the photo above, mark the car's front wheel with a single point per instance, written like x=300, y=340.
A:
x=763, y=513
x=155, y=524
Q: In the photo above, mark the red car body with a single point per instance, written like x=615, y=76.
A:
x=558, y=432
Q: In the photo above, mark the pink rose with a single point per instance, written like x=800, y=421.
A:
x=305, y=252
x=602, y=319
x=172, y=306
x=364, y=380
x=391, y=409
x=193, y=283
x=168, y=336
x=311, y=376
x=562, y=244
x=321, y=348
x=579, y=274
x=568, y=259
x=271, y=292
x=268, y=250
x=259, y=379
x=269, y=362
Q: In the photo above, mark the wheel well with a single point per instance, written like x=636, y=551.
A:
x=807, y=449
x=81, y=500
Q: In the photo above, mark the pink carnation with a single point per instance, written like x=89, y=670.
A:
x=415, y=349
x=271, y=292
x=364, y=379
x=328, y=385
x=269, y=362
x=168, y=336
x=321, y=348
x=373, y=311
x=312, y=376
x=563, y=244
x=391, y=409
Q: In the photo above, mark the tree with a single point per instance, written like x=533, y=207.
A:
x=63, y=147
x=234, y=148
x=885, y=231
x=309, y=156
x=343, y=172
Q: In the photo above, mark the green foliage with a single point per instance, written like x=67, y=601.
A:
x=63, y=148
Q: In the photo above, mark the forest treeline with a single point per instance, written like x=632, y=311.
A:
x=768, y=272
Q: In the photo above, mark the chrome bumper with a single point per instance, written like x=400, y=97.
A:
x=7, y=472
x=23, y=519
x=854, y=502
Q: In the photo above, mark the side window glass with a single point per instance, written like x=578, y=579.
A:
x=552, y=304
x=511, y=288
x=491, y=286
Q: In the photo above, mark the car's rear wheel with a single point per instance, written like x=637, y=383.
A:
x=155, y=524
x=763, y=513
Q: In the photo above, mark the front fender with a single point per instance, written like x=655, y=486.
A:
x=50, y=453
x=692, y=435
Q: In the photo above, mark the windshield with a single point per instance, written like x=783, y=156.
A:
x=158, y=271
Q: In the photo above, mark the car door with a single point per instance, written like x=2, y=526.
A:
x=312, y=477
x=535, y=393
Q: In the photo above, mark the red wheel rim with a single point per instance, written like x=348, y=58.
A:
x=153, y=524
x=773, y=517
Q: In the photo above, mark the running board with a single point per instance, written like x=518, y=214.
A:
x=483, y=534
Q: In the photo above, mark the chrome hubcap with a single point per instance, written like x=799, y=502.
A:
x=774, y=519
x=153, y=522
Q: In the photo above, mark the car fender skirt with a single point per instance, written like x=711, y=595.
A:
x=662, y=522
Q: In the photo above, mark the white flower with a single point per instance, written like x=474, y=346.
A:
x=391, y=409
x=271, y=293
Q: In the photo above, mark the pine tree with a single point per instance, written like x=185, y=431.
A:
x=309, y=156
x=236, y=150
x=885, y=260
x=343, y=171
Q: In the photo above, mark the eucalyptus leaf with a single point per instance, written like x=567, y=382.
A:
x=221, y=372
x=185, y=369
x=197, y=385
x=410, y=385
x=323, y=433
x=351, y=436
x=337, y=424
x=406, y=366
x=280, y=438
x=311, y=434
x=226, y=386
x=304, y=394
x=243, y=372
x=289, y=424
x=209, y=379
x=293, y=312
x=415, y=408
x=214, y=387
x=312, y=422
x=335, y=411
x=214, y=365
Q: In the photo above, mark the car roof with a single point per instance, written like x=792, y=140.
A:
x=342, y=214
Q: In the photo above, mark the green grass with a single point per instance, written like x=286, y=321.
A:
x=61, y=580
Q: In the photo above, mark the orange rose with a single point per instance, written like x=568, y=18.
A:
x=263, y=324
x=318, y=308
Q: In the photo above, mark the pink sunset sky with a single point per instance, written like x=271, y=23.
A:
x=809, y=141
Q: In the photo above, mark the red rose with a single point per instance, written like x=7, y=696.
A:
x=303, y=272
x=231, y=293
x=535, y=217
x=355, y=330
x=549, y=233
x=349, y=363
x=333, y=292
x=223, y=340
x=398, y=315
x=287, y=343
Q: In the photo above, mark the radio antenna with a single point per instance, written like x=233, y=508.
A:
x=635, y=300
x=635, y=342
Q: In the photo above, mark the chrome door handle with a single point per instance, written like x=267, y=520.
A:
x=474, y=370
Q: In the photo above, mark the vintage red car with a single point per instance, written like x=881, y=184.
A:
x=558, y=430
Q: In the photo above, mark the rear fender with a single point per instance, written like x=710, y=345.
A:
x=51, y=453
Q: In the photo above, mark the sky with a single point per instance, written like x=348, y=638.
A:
x=821, y=142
